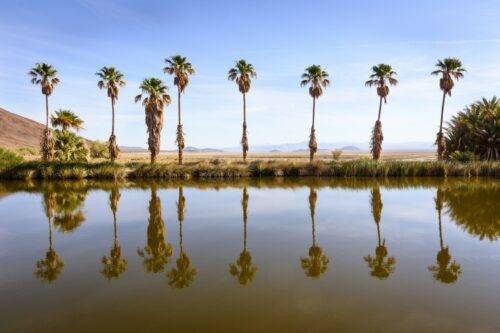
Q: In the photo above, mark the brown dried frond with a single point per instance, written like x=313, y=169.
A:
x=47, y=144
x=113, y=148
x=376, y=141
x=313, y=145
x=244, y=141
x=441, y=145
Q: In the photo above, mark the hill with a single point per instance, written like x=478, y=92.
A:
x=17, y=131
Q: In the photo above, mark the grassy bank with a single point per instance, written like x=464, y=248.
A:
x=224, y=169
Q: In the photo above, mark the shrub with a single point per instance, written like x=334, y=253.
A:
x=98, y=149
x=475, y=129
x=8, y=157
x=69, y=147
x=462, y=156
x=336, y=154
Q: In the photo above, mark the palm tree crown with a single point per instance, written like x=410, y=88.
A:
x=111, y=79
x=317, y=78
x=44, y=75
x=449, y=69
x=242, y=73
x=381, y=74
x=179, y=66
x=66, y=119
x=157, y=93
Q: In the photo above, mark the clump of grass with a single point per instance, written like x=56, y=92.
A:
x=8, y=157
x=223, y=169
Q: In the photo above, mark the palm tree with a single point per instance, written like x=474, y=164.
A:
x=446, y=270
x=242, y=73
x=179, y=66
x=112, y=80
x=183, y=274
x=49, y=268
x=244, y=270
x=46, y=76
x=449, y=69
x=114, y=265
x=158, y=98
x=382, y=75
x=158, y=251
x=317, y=263
x=380, y=267
x=66, y=119
x=318, y=80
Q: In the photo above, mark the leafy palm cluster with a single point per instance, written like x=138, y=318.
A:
x=476, y=129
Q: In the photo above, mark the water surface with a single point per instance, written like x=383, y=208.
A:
x=286, y=255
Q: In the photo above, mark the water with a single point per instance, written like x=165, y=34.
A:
x=303, y=255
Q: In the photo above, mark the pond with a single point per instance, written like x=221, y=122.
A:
x=277, y=255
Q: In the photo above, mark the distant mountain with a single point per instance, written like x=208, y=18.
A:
x=202, y=150
x=19, y=132
x=343, y=145
x=350, y=148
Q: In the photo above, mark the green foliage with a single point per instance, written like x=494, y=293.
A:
x=336, y=154
x=476, y=129
x=98, y=149
x=69, y=147
x=66, y=119
x=8, y=157
x=462, y=156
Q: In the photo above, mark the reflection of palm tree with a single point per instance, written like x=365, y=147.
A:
x=317, y=263
x=69, y=213
x=157, y=252
x=381, y=267
x=49, y=269
x=114, y=265
x=243, y=269
x=183, y=274
x=446, y=270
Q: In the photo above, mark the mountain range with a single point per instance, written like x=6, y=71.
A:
x=20, y=132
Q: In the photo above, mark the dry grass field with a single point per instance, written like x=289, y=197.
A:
x=165, y=157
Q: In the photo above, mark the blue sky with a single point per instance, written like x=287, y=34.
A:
x=280, y=38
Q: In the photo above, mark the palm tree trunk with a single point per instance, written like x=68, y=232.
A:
x=115, y=230
x=112, y=116
x=46, y=112
x=440, y=230
x=441, y=145
x=244, y=206
x=112, y=146
x=47, y=141
x=313, y=145
x=50, y=234
x=244, y=138
x=180, y=136
x=378, y=234
x=379, y=109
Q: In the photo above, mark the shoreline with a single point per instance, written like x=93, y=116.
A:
x=219, y=169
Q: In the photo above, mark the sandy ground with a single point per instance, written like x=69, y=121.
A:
x=282, y=156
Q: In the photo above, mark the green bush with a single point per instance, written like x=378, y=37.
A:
x=69, y=147
x=336, y=154
x=99, y=149
x=462, y=156
x=8, y=157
